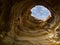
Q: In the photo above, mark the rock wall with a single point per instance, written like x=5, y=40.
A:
x=17, y=27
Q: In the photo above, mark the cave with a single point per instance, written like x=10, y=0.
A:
x=29, y=22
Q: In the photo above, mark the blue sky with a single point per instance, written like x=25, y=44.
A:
x=40, y=12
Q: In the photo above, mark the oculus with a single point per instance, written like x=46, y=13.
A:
x=40, y=12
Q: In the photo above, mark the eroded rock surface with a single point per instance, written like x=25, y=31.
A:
x=18, y=27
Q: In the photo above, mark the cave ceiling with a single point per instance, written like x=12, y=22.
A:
x=17, y=26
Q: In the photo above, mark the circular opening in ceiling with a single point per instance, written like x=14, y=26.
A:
x=40, y=12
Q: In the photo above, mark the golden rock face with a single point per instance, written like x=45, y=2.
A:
x=26, y=30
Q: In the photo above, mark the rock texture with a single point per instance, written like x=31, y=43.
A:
x=18, y=27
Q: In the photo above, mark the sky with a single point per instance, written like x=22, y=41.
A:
x=40, y=12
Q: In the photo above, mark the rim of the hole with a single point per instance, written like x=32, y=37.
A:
x=42, y=19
